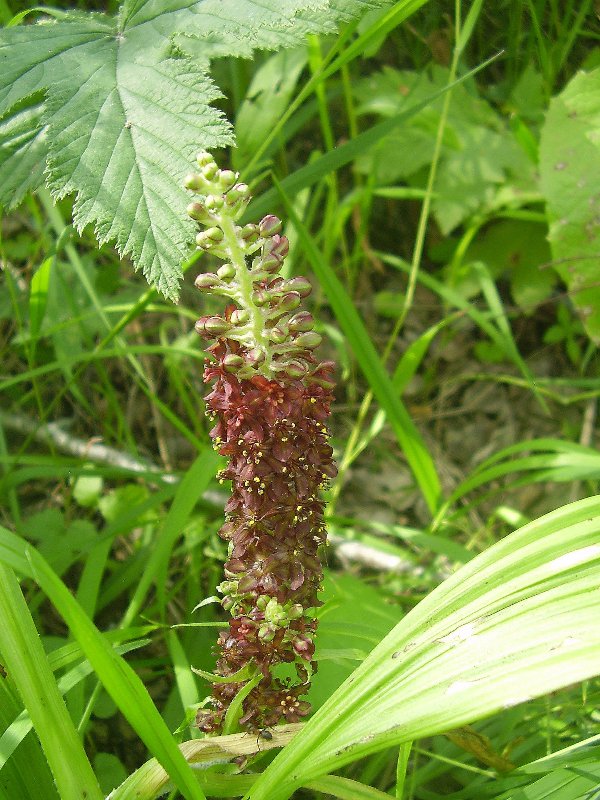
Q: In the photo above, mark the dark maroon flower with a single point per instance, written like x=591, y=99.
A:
x=269, y=401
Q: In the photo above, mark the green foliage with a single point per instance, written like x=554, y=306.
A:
x=126, y=105
x=485, y=392
x=479, y=154
x=570, y=164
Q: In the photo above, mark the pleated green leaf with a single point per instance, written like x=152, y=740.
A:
x=516, y=622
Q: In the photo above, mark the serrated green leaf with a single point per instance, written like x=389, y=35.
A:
x=127, y=107
x=569, y=168
x=22, y=150
x=126, y=156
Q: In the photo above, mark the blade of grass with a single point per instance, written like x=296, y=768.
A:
x=15, y=733
x=345, y=789
x=189, y=490
x=482, y=319
x=27, y=776
x=24, y=656
x=119, y=679
x=490, y=292
x=408, y=436
x=401, y=768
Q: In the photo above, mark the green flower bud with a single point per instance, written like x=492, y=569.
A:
x=301, y=285
x=260, y=297
x=255, y=356
x=226, y=272
x=209, y=171
x=250, y=233
x=241, y=191
x=300, y=322
x=214, y=202
x=209, y=238
x=309, y=340
x=203, y=158
x=233, y=362
x=212, y=326
x=207, y=281
x=288, y=302
x=269, y=225
x=326, y=384
x=193, y=181
x=227, y=178
x=239, y=317
x=293, y=369
x=277, y=335
x=198, y=212
x=271, y=264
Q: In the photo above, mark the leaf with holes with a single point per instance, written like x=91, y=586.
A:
x=569, y=167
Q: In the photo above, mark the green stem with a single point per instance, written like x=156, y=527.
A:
x=246, y=287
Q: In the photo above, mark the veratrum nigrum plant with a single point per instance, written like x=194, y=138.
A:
x=270, y=399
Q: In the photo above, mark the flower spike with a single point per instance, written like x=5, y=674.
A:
x=270, y=398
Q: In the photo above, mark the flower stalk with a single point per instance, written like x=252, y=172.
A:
x=269, y=401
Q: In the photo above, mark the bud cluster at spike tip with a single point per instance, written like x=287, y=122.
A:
x=269, y=401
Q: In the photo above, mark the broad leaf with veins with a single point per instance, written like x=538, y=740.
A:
x=127, y=104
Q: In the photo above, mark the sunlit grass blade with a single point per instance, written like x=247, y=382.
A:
x=516, y=622
x=189, y=490
x=579, y=782
x=151, y=780
x=25, y=660
x=408, y=436
x=547, y=460
x=14, y=734
x=345, y=789
x=27, y=776
x=486, y=321
x=118, y=678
